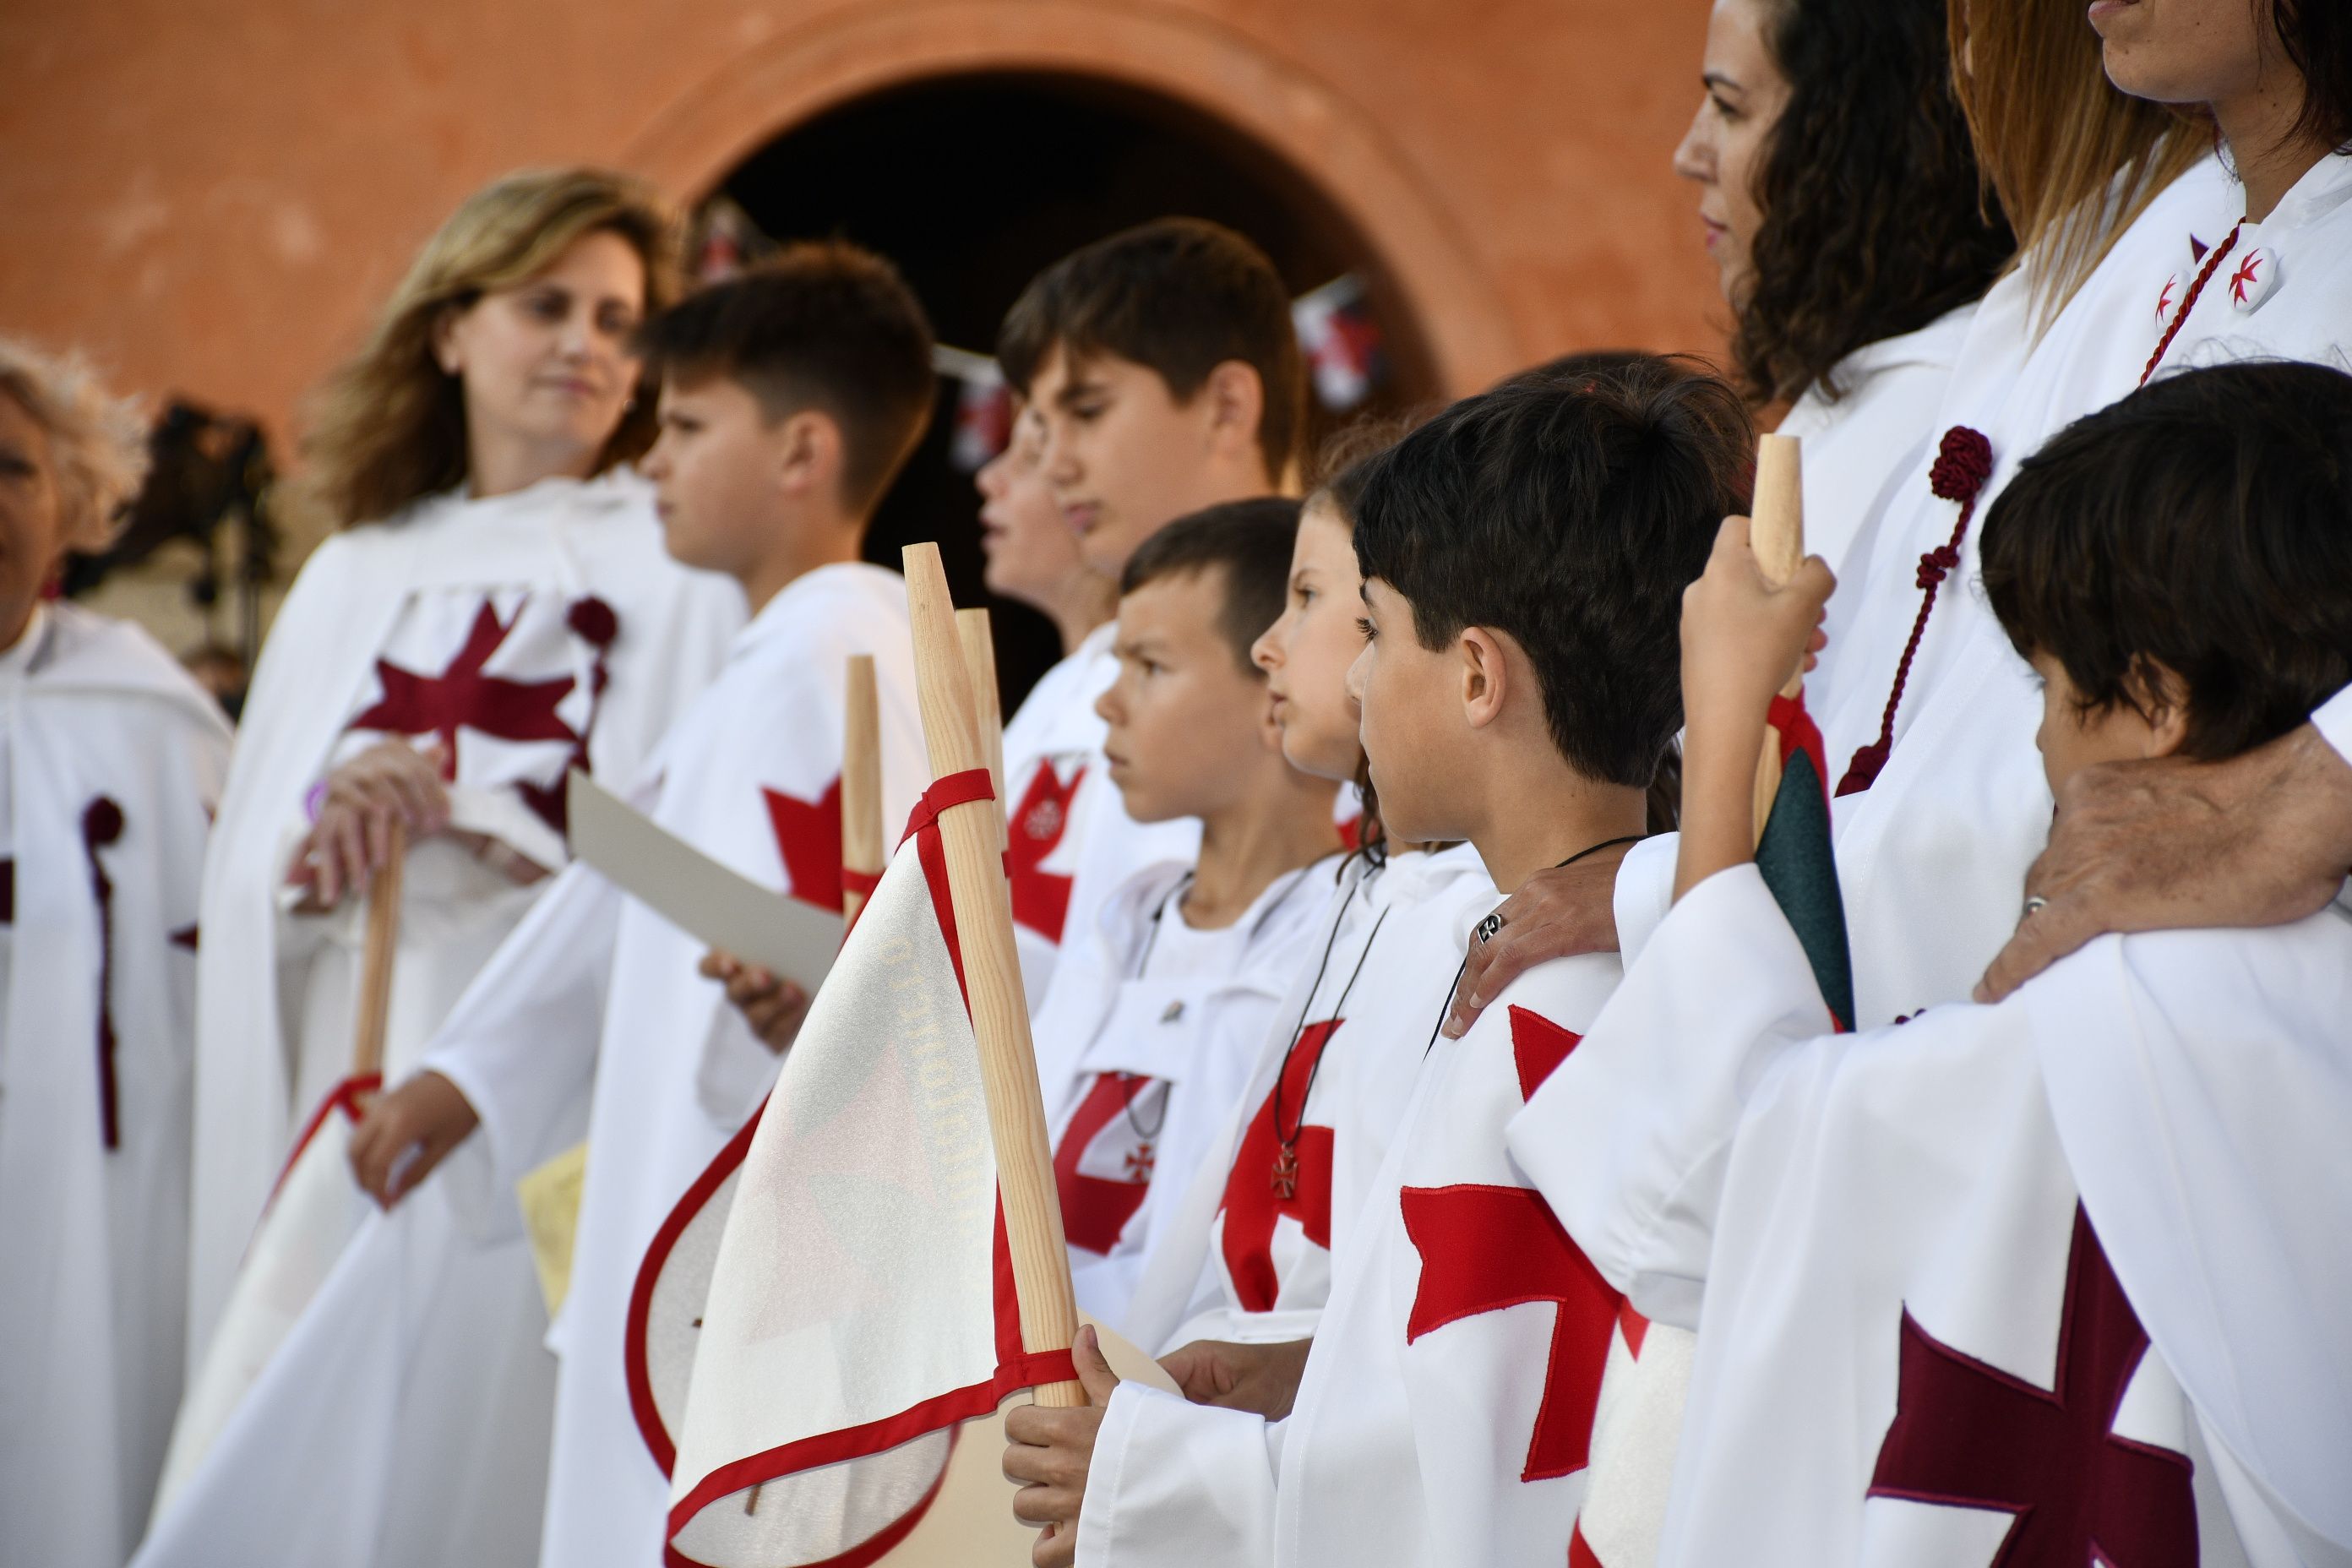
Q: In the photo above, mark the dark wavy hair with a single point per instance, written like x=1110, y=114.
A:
x=2317, y=38
x=1874, y=219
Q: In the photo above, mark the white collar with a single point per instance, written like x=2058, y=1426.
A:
x=19, y=658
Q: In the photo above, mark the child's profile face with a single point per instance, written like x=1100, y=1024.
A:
x=2074, y=737
x=1307, y=652
x=713, y=469
x=1188, y=723
x=1029, y=553
x=1410, y=699
x=1122, y=455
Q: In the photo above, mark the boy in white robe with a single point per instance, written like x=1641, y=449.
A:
x=2060, y=1279
x=1146, y=1045
x=110, y=759
x=791, y=397
x=1165, y=370
x=1523, y=557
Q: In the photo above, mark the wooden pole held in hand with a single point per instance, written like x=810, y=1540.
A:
x=1777, y=533
x=862, y=847
x=382, y=951
x=1000, y=1012
x=988, y=710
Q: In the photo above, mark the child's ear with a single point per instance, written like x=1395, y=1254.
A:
x=2162, y=698
x=808, y=454
x=1236, y=405
x=1484, y=680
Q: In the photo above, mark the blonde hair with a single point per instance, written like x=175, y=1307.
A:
x=98, y=442
x=2072, y=159
x=389, y=427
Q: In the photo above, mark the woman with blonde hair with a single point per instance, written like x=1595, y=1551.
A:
x=493, y=608
x=111, y=758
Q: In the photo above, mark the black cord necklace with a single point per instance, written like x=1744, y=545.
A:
x=1494, y=922
x=1285, y=1151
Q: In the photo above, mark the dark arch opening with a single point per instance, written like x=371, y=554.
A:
x=973, y=183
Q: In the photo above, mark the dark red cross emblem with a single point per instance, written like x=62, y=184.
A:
x=1041, y=899
x=1487, y=1247
x=462, y=697
x=808, y=838
x=1252, y=1202
x=1095, y=1209
x=2249, y=272
x=1966, y=1435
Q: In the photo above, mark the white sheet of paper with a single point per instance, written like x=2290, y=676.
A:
x=697, y=894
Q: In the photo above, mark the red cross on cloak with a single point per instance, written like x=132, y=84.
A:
x=1252, y=1200
x=808, y=838
x=1966, y=1435
x=1041, y=899
x=1486, y=1248
x=462, y=697
x=1095, y=1209
x=2249, y=272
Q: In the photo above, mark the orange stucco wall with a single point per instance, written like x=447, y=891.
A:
x=211, y=197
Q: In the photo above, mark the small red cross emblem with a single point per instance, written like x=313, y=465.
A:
x=808, y=840
x=2164, y=300
x=1299, y=1183
x=2248, y=274
x=1095, y=1209
x=1041, y=899
x=462, y=697
x=1966, y=1435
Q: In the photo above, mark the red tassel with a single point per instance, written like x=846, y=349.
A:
x=101, y=824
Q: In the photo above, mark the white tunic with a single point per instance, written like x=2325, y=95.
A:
x=1071, y=843
x=388, y=618
x=1144, y=1051
x=591, y=991
x=1913, y=1343
x=91, y=1304
x=1932, y=855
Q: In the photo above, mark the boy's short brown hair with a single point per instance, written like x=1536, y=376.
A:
x=1179, y=296
x=1248, y=542
x=825, y=325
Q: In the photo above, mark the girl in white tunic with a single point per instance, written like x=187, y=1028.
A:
x=110, y=759
x=2055, y=1280
x=496, y=608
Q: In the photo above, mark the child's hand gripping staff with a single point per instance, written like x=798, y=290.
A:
x=1754, y=780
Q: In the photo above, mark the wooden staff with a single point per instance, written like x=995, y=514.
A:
x=1777, y=533
x=862, y=850
x=377, y=959
x=1000, y=1014
x=980, y=660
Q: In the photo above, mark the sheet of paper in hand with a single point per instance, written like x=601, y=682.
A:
x=793, y=939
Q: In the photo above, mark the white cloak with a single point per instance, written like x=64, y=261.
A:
x=1910, y=1345
x=91, y=1303
x=275, y=999
x=1144, y=1051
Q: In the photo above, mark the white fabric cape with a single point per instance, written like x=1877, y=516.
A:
x=1877, y=1237
x=1932, y=855
x=559, y=539
x=1197, y=1034
x=861, y=1305
x=91, y=1302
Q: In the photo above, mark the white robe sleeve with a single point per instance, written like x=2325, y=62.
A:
x=1178, y=1484
x=2333, y=722
x=522, y=1043
x=1630, y=1137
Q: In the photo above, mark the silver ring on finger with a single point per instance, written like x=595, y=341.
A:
x=1488, y=927
x=2033, y=906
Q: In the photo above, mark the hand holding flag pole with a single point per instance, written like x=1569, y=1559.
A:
x=378, y=957
x=1776, y=532
x=1000, y=1015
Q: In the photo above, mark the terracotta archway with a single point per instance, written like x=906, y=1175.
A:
x=782, y=79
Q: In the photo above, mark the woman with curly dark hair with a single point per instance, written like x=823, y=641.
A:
x=1843, y=210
